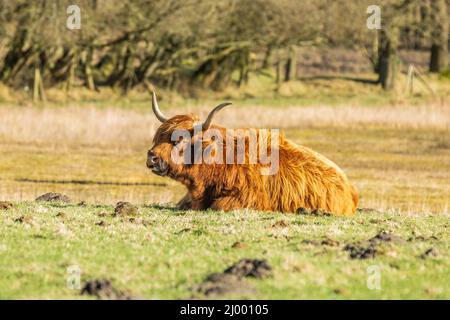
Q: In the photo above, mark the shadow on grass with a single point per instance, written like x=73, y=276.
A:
x=107, y=183
x=333, y=77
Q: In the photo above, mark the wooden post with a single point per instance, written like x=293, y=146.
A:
x=410, y=80
x=38, y=87
x=425, y=83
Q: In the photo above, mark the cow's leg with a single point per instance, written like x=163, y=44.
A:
x=226, y=204
x=191, y=203
x=185, y=203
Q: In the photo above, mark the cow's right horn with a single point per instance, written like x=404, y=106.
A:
x=156, y=110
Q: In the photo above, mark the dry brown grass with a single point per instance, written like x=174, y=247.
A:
x=398, y=157
x=106, y=126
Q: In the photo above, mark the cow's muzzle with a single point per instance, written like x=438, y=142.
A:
x=156, y=164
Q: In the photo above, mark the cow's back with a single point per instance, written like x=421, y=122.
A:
x=307, y=179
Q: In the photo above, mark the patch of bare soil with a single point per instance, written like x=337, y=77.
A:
x=311, y=242
x=330, y=242
x=103, y=289
x=24, y=219
x=231, y=281
x=239, y=245
x=6, y=205
x=366, y=210
x=431, y=252
x=423, y=238
x=250, y=268
x=324, y=242
x=280, y=224
x=141, y=221
x=358, y=251
x=125, y=209
x=386, y=237
x=53, y=197
x=369, y=249
x=218, y=284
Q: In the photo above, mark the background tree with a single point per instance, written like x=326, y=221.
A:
x=439, y=35
x=183, y=45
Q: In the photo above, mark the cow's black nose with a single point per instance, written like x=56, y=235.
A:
x=152, y=159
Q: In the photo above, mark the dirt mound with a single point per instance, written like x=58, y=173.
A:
x=330, y=242
x=103, y=289
x=369, y=248
x=250, y=268
x=5, y=205
x=386, y=237
x=125, y=209
x=53, y=197
x=231, y=281
x=218, y=284
x=358, y=251
x=431, y=252
x=422, y=238
x=324, y=242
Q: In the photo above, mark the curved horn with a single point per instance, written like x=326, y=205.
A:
x=208, y=121
x=156, y=110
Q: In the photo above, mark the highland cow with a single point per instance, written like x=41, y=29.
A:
x=303, y=178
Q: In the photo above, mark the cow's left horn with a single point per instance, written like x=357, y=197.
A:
x=156, y=110
x=211, y=115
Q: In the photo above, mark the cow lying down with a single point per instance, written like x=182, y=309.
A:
x=259, y=169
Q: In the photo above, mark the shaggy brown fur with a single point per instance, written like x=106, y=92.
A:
x=305, y=179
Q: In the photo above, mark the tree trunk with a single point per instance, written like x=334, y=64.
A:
x=440, y=33
x=38, y=87
x=290, y=71
x=90, y=83
x=387, y=63
x=71, y=72
x=267, y=58
x=15, y=55
x=279, y=67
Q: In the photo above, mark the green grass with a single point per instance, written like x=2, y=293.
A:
x=173, y=251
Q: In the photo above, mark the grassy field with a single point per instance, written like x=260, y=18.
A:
x=396, y=151
x=163, y=253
